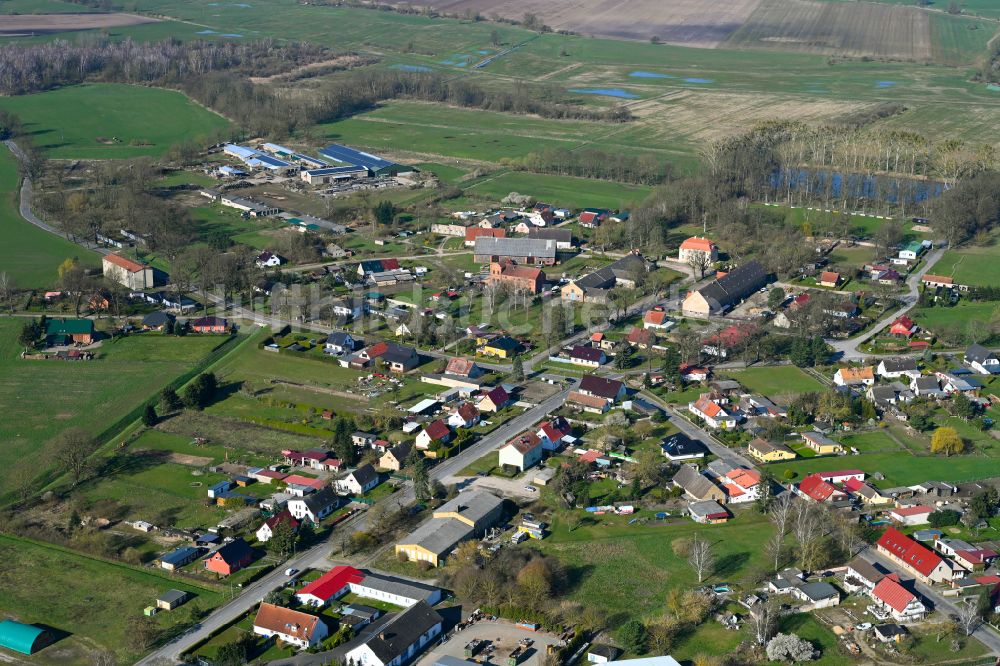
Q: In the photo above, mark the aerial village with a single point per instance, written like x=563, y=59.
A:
x=457, y=404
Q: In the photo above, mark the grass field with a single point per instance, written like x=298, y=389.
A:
x=90, y=394
x=964, y=317
x=976, y=266
x=899, y=469
x=45, y=584
x=785, y=380
x=29, y=255
x=627, y=570
x=111, y=121
x=563, y=190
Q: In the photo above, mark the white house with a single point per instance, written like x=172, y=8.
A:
x=854, y=376
x=397, y=641
x=436, y=431
x=982, y=360
x=266, y=530
x=359, y=481
x=894, y=368
x=268, y=259
x=742, y=485
x=315, y=506
x=712, y=414
x=911, y=515
x=899, y=602
x=522, y=452
x=340, y=342
x=464, y=416
x=290, y=626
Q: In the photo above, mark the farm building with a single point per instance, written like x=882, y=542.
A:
x=520, y=278
x=526, y=251
x=171, y=599
x=327, y=175
x=338, y=581
x=69, y=331
x=376, y=166
x=128, y=273
x=463, y=518
x=23, y=638
x=726, y=291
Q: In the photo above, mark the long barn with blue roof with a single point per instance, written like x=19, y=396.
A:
x=377, y=166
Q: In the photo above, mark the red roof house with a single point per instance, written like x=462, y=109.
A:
x=814, y=488
x=903, y=326
x=333, y=584
x=209, y=325
x=902, y=604
x=914, y=557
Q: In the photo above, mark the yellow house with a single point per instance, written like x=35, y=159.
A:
x=820, y=444
x=766, y=451
x=502, y=347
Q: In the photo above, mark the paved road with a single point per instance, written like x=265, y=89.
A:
x=731, y=456
x=848, y=349
x=317, y=556
x=985, y=634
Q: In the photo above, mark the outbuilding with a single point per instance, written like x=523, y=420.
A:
x=23, y=638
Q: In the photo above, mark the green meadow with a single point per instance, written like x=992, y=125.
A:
x=29, y=255
x=111, y=121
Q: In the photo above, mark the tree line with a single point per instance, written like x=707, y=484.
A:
x=620, y=167
x=37, y=67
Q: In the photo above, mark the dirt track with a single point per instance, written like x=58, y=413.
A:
x=26, y=24
x=701, y=23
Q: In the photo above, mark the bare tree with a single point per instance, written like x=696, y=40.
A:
x=967, y=616
x=775, y=549
x=73, y=447
x=699, y=263
x=7, y=289
x=701, y=557
x=780, y=513
x=763, y=620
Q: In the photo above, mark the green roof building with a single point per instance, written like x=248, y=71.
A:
x=68, y=331
x=23, y=638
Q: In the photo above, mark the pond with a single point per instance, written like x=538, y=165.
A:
x=607, y=92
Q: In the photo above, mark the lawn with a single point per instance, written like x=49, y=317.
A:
x=563, y=190
x=111, y=121
x=899, y=469
x=776, y=381
x=960, y=318
x=484, y=465
x=43, y=584
x=29, y=255
x=871, y=442
x=41, y=398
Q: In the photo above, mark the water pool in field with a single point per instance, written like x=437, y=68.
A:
x=650, y=75
x=607, y=92
x=884, y=84
x=411, y=68
x=695, y=79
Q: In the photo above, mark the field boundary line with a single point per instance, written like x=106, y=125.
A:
x=143, y=571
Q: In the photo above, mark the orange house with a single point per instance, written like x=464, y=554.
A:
x=230, y=558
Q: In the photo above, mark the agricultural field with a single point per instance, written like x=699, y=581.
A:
x=42, y=585
x=777, y=382
x=688, y=22
x=91, y=394
x=60, y=21
x=29, y=255
x=111, y=121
